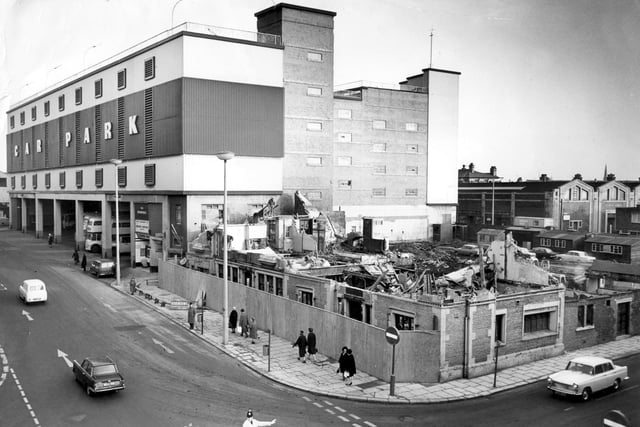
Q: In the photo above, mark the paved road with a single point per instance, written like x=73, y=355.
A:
x=175, y=379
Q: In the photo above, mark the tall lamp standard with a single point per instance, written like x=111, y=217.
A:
x=115, y=163
x=224, y=156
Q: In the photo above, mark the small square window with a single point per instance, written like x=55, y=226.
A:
x=34, y=113
x=412, y=148
x=344, y=114
x=314, y=195
x=314, y=126
x=344, y=161
x=379, y=147
x=122, y=176
x=97, y=88
x=22, y=118
x=12, y=122
x=62, y=179
x=47, y=180
x=314, y=57
x=13, y=182
x=23, y=182
x=379, y=169
x=150, y=68
x=411, y=170
x=78, y=96
x=379, y=124
x=314, y=161
x=379, y=192
x=34, y=181
x=122, y=79
x=61, y=103
x=314, y=91
x=411, y=192
x=47, y=108
x=79, y=179
x=411, y=127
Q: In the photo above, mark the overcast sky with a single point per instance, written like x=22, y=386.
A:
x=547, y=86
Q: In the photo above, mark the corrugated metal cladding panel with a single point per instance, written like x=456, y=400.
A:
x=134, y=143
x=167, y=118
x=53, y=144
x=109, y=112
x=87, y=151
x=69, y=153
x=223, y=116
x=13, y=162
x=27, y=160
x=38, y=158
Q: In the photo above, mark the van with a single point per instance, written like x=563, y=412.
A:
x=102, y=267
x=33, y=290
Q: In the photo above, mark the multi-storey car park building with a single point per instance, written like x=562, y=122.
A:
x=167, y=106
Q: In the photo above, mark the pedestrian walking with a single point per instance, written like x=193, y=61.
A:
x=253, y=330
x=75, y=256
x=83, y=264
x=191, y=315
x=244, y=323
x=350, y=365
x=252, y=422
x=301, y=342
x=233, y=320
x=132, y=285
x=311, y=345
x=50, y=240
x=342, y=364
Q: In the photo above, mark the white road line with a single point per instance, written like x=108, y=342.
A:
x=345, y=419
x=327, y=403
x=330, y=411
x=340, y=409
x=306, y=398
x=24, y=398
x=355, y=417
x=356, y=425
x=369, y=424
x=317, y=404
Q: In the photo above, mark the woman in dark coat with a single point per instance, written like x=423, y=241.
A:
x=233, y=320
x=301, y=342
x=83, y=264
x=342, y=363
x=350, y=366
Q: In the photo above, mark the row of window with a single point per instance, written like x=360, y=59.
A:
x=149, y=73
x=557, y=243
x=606, y=248
x=375, y=124
x=149, y=178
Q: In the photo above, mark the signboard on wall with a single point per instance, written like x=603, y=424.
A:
x=142, y=221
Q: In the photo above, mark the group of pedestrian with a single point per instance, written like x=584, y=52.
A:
x=307, y=346
x=347, y=365
x=246, y=326
x=76, y=258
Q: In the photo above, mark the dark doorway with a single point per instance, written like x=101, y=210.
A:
x=355, y=309
x=623, y=318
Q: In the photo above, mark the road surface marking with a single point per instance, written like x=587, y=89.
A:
x=317, y=404
x=24, y=398
x=109, y=307
x=306, y=398
x=340, y=409
x=355, y=417
x=2, y=287
x=66, y=359
x=26, y=313
x=164, y=347
x=329, y=411
x=327, y=403
x=345, y=419
x=369, y=424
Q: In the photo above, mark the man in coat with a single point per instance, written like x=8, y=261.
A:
x=301, y=342
x=244, y=323
x=83, y=264
x=191, y=315
x=350, y=366
x=233, y=320
x=311, y=345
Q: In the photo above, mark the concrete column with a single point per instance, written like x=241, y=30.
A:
x=166, y=228
x=23, y=204
x=79, y=232
x=57, y=220
x=132, y=224
x=38, y=207
x=106, y=228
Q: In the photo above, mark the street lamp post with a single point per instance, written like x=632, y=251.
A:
x=224, y=156
x=173, y=10
x=115, y=163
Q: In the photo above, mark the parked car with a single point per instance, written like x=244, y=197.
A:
x=98, y=375
x=544, y=253
x=102, y=267
x=575, y=256
x=32, y=290
x=586, y=375
x=468, y=250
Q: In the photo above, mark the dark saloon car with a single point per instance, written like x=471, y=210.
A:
x=98, y=375
x=544, y=253
x=102, y=267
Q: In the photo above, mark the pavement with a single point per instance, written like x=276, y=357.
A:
x=321, y=378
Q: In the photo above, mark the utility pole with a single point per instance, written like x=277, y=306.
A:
x=431, y=49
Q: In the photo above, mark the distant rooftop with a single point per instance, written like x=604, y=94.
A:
x=353, y=90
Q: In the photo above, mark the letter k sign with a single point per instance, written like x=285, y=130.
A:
x=133, y=129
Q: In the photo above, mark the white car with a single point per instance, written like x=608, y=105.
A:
x=575, y=256
x=586, y=375
x=33, y=290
